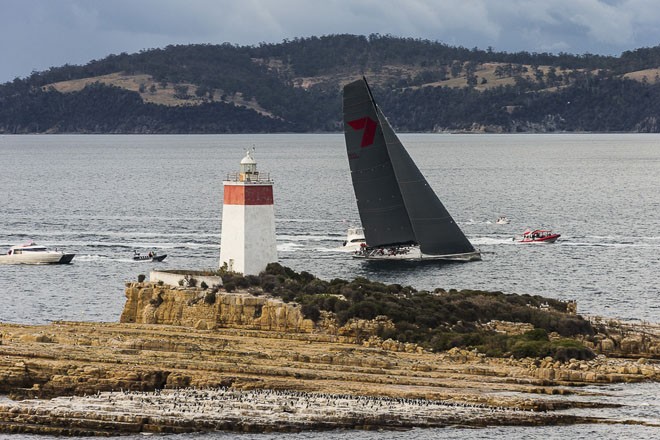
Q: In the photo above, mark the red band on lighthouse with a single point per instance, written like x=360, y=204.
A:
x=248, y=195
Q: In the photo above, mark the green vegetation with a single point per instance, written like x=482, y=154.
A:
x=297, y=86
x=209, y=297
x=437, y=320
x=534, y=343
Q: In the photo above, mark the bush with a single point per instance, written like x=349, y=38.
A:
x=204, y=286
x=288, y=296
x=566, y=349
x=209, y=298
x=306, y=277
x=311, y=311
x=141, y=278
x=267, y=282
x=364, y=310
x=316, y=286
x=537, y=334
x=241, y=282
x=527, y=348
x=278, y=269
x=253, y=280
x=535, y=343
x=229, y=287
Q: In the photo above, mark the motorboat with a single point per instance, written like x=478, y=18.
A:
x=354, y=239
x=151, y=256
x=402, y=217
x=502, y=220
x=539, y=236
x=32, y=253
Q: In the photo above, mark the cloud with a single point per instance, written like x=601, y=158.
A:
x=37, y=34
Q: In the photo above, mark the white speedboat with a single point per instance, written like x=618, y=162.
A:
x=502, y=220
x=32, y=253
x=354, y=239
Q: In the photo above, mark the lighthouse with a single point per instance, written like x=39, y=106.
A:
x=247, y=240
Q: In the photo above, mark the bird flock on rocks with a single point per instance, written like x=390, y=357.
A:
x=265, y=405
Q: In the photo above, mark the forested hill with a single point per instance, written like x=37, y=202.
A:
x=295, y=86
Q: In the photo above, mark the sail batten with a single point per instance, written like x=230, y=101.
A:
x=395, y=202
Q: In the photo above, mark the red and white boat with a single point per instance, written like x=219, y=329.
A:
x=539, y=236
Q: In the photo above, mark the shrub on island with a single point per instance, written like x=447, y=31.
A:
x=438, y=320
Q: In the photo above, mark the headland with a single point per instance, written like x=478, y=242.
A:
x=198, y=358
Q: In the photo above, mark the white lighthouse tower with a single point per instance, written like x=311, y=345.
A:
x=247, y=241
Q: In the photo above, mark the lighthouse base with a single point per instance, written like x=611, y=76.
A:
x=247, y=241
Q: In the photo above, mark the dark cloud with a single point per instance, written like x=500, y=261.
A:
x=38, y=34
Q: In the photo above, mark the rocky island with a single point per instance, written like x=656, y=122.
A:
x=289, y=352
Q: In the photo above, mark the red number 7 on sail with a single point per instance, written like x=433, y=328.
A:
x=369, y=126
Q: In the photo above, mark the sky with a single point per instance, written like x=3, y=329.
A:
x=38, y=34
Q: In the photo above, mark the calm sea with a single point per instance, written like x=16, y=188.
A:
x=103, y=196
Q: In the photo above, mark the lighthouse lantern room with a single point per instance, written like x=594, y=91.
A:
x=247, y=240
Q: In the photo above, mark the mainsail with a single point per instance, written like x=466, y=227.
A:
x=396, y=204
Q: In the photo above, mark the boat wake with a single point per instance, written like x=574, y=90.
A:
x=289, y=247
x=139, y=245
x=583, y=241
x=88, y=257
x=609, y=245
x=289, y=237
x=492, y=240
x=341, y=249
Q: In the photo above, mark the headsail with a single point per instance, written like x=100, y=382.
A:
x=395, y=201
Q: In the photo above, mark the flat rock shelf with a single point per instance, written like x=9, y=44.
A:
x=83, y=378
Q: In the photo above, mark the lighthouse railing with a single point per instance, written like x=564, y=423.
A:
x=249, y=177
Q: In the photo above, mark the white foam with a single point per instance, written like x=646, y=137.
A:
x=288, y=247
x=306, y=237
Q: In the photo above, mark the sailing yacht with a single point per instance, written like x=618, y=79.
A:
x=402, y=217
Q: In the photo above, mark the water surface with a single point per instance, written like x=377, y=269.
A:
x=104, y=196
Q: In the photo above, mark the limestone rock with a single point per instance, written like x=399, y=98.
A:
x=631, y=344
x=607, y=345
x=150, y=303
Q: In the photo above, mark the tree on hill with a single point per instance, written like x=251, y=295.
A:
x=299, y=83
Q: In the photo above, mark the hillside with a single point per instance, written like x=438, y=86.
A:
x=295, y=86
